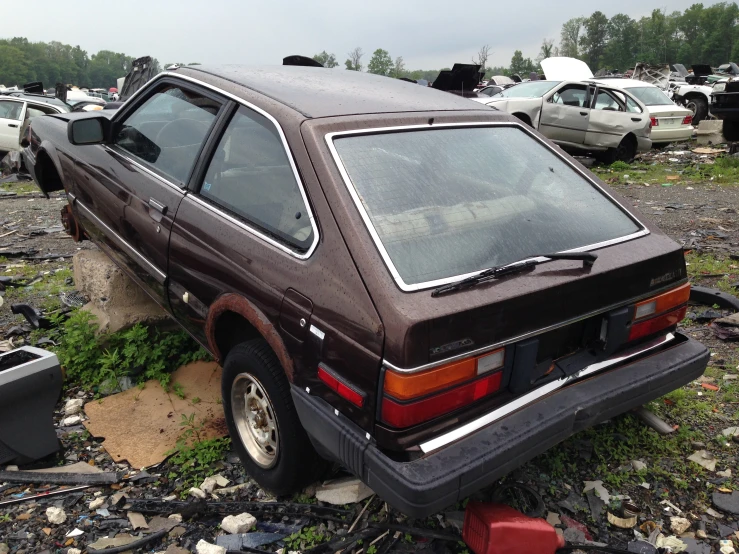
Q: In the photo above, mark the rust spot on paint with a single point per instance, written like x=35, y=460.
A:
x=240, y=305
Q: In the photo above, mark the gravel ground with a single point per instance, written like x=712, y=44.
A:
x=700, y=216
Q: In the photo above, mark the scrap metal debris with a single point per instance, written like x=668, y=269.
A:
x=31, y=477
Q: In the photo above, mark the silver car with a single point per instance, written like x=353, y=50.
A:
x=583, y=117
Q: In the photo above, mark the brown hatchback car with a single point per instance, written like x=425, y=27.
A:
x=394, y=277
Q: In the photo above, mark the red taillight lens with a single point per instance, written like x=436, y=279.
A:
x=688, y=120
x=342, y=389
x=413, y=413
x=654, y=121
x=656, y=324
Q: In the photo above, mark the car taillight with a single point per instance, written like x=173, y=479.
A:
x=659, y=312
x=406, y=399
x=688, y=120
x=654, y=121
x=344, y=390
x=413, y=413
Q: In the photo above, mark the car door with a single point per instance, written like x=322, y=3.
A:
x=127, y=191
x=611, y=118
x=246, y=225
x=565, y=113
x=11, y=116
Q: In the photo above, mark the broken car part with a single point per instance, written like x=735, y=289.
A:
x=710, y=296
x=30, y=385
x=55, y=492
x=31, y=477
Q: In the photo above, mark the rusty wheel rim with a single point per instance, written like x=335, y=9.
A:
x=255, y=420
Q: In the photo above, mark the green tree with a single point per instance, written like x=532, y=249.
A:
x=398, y=69
x=623, y=40
x=380, y=63
x=569, y=42
x=521, y=66
x=326, y=59
x=354, y=61
x=14, y=69
x=547, y=50
x=594, y=39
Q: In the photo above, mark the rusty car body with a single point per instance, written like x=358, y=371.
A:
x=394, y=277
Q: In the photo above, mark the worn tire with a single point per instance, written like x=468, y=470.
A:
x=295, y=462
x=626, y=150
x=699, y=107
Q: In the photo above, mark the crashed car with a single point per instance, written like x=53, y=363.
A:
x=17, y=110
x=693, y=93
x=670, y=122
x=582, y=117
x=414, y=285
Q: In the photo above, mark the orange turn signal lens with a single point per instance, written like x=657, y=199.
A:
x=663, y=302
x=404, y=386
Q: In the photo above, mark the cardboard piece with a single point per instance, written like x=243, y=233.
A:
x=141, y=425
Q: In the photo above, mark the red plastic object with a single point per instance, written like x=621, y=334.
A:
x=500, y=529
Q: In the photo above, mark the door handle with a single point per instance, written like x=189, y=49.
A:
x=583, y=113
x=157, y=210
x=637, y=119
x=14, y=125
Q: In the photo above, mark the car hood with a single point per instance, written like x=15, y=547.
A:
x=701, y=70
x=566, y=69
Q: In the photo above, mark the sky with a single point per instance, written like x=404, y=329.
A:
x=428, y=34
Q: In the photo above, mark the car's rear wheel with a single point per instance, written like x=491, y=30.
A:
x=699, y=106
x=625, y=152
x=262, y=421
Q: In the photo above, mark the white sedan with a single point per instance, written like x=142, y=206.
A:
x=16, y=112
x=670, y=122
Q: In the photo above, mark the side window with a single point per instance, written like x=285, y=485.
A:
x=632, y=106
x=604, y=101
x=251, y=176
x=571, y=95
x=10, y=109
x=168, y=129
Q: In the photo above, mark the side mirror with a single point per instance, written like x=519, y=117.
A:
x=91, y=130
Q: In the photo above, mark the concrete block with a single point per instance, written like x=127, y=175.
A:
x=239, y=524
x=343, y=491
x=204, y=547
x=115, y=300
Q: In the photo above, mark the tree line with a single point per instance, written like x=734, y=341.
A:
x=22, y=61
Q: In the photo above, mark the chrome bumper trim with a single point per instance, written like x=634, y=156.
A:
x=533, y=396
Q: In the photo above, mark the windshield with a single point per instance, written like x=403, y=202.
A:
x=451, y=201
x=534, y=89
x=650, y=96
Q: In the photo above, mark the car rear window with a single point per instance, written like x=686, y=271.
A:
x=447, y=202
x=651, y=96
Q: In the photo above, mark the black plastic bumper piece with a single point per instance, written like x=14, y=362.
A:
x=429, y=484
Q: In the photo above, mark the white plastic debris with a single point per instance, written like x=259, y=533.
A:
x=343, y=491
x=197, y=493
x=74, y=551
x=176, y=517
x=96, y=503
x=679, y=525
x=704, y=458
x=638, y=465
x=71, y=420
x=56, y=515
x=725, y=473
x=726, y=547
x=599, y=489
x=74, y=533
x=206, y=548
x=673, y=543
x=241, y=523
x=73, y=406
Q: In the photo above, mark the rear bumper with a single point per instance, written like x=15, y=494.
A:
x=445, y=476
x=671, y=135
x=643, y=144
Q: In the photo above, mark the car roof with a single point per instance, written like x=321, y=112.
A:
x=321, y=92
x=38, y=98
x=624, y=83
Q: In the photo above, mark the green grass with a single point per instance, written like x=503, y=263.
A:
x=724, y=171
x=24, y=187
x=700, y=265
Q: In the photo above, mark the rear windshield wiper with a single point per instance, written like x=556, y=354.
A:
x=588, y=259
